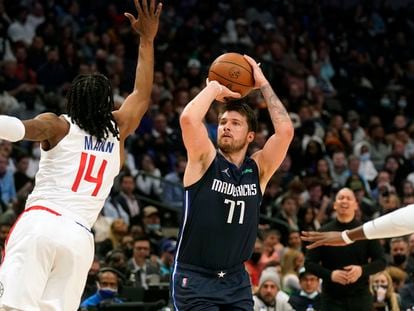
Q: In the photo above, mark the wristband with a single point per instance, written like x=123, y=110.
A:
x=11, y=128
x=346, y=238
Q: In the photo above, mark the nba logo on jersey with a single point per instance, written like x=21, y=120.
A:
x=184, y=282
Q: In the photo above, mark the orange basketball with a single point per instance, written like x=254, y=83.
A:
x=233, y=71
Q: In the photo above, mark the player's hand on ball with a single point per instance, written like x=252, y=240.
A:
x=223, y=93
x=259, y=78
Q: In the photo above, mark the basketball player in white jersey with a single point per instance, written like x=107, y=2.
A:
x=51, y=248
x=396, y=223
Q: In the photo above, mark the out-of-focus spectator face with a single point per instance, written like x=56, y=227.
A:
x=53, y=55
x=398, y=148
x=23, y=164
x=354, y=165
x=408, y=188
x=182, y=98
x=38, y=43
x=294, y=91
x=21, y=54
x=268, y=291
x=299, y=261
x=400, y=121
x=294, y=240
x=309, y=283
x=322, y=166
x=141, y=250
x=338, y=159
x=271, y=239
x=136, y=231
x=158, y=78
x=290, y=207
x=276, y=49
x=151, y=219
x=337, y=122
x=108, y=279
x=168, y=68
x=160, y=123
x=399, y=247
x=127, y=184
x=147, y=163
x=383, y=178
x=377, y=133
x=391, y=164
x=6, y=147
x=315, y=193
x=119, y=226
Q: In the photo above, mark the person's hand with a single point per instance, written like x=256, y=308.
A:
x=339, y=276
x=354, y=272
x=332, y=238
x=223, y=93
x=146, y=24
x=259, y=78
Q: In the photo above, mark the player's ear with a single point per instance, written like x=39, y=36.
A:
x=250, y=136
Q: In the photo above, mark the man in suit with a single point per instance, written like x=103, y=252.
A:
x=144, y=272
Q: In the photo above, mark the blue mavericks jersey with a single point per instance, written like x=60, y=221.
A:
x=221, y=215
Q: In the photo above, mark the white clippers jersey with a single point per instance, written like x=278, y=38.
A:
x=76, y=176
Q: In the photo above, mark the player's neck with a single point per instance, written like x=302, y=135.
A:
x=237, y=158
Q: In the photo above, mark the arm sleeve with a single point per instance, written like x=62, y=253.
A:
x=397, y=223
x=11, y=128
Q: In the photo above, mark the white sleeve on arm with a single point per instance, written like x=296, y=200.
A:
x=397, y=223
x=11, y=128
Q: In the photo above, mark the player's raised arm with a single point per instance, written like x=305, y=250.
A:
x=275, y=148
x=200, y=149
x=136, y=104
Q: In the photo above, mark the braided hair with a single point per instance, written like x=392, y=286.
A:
x=90, y=103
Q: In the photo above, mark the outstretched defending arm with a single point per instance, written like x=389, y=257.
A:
x=397, y=223
x=137, y=103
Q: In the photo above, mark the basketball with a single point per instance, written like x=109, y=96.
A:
x=233, y=71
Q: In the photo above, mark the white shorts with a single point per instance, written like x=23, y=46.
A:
x=46, y=262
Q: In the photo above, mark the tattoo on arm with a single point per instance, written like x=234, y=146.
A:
x=276, y=109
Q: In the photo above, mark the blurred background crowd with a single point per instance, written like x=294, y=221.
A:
x=343, y=69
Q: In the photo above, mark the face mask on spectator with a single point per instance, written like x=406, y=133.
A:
x=399, y=259
x=154, y=227
x=107, y=292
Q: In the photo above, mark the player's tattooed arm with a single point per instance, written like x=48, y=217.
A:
x=275, y=106
x=44, y=127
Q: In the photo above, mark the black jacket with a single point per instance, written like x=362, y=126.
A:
x=368, y=254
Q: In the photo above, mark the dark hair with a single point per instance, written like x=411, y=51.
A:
x=245, y=110
x=90, y=103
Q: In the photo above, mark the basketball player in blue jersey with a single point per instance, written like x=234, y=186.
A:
x=223, y=191
x=51, y=248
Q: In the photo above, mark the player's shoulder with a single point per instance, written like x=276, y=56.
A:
x=47, y=116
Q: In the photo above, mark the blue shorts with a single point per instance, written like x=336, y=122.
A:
x=196, y=288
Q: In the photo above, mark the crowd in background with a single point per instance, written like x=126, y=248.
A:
x=346, y=76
